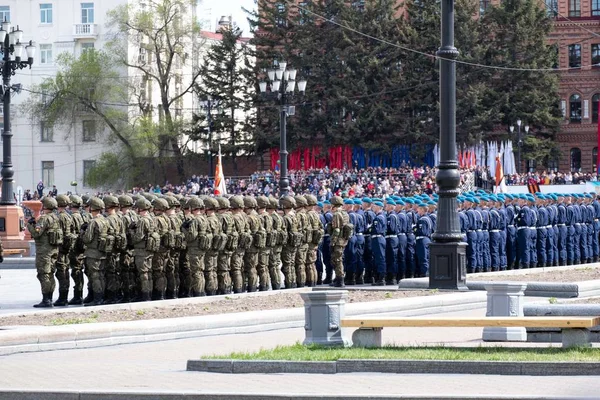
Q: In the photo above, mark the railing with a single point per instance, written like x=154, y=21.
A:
x=85, y=30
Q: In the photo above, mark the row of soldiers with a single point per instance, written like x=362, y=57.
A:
x=147, y=247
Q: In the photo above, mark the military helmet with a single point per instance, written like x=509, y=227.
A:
x=336, y=201
x=210, y=203
x=287, y=202
x=125, y=200
x=250, y=202
x=143, y=204
x=172, y=201
x=84, y=199
x=236, y=202
x=262, y=201
x=195, y=203
x=62, y=200
x=160, y=205
x=273, y=203
x=223, y=203
x=310, y=199
x=49, y=203
x=110, y=201
x=76, y=201
x=300, y=201
x=96, y=204
x=184, y=203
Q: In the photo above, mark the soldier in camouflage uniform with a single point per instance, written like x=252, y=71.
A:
x=145, y=241
x=258, y=242
x=338, y=239
x=113, y=259
x=185, y=277
x=64, y=250
x=76, y=259
x=231, y=238
x=159, y=260
x=218, y=243
x=97, y=242
x=304, y=229
x=45, y=232
x=275, y=254
x=316, y=234
x=199, y=241
x=127, y=265
x=172, y=262
x=271, y=240
x=245, y=241
x=294, y=239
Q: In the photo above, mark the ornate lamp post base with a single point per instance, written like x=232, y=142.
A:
x=448, y=266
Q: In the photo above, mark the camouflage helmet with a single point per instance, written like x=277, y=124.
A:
x=336, y=201
x=85, y=198
x=143, y=204
x=236, y=202
x=180, y=198
x=287, y=202
x=96, y=204
x=262, y=201
x=310, y=199
x=273, y=203
x=110, y=201
x=300, y=201
x=172, y=201
x=210, y=203
x=223, y=203
x=76, y=201
x=125, y=200
x=160, y=205
x=249, y=202
x=148, y=196
x=49, y=203
x=62, y=200
x=184, y=203
x=195, y=203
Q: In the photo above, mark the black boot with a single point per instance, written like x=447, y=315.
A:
x=328, y=277
x=76, y=300
x=368, y=277
x=98, y=300
x=378, y=281
x=390, y=279
x=89, y=298
x=338, y=282
x=358, y=279
x=45, y=303
x=169, y=295
x=63, y=299
x=111, y=297
x=146, y=296
x=349, y=280
x=251, y=289
x=319, y=281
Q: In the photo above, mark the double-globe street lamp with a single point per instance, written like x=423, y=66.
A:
x=519, y=141
x=282, y=84
x=12, y=52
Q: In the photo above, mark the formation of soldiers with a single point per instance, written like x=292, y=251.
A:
x=145, y=247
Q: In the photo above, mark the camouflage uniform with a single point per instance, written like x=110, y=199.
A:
x=65, y=221
x=303, y=228
x=275, y=255
x=231, y=237
x=113, y=259
x=315, y=235
x=294, y=239
x=127, y=265
x=199, y=240
x=245, y=241
x=185, y=277
x=145, y=241
x=172, y=261
x=258, y=242
x=271, y=239
x=218, y=244
x=76, y=259
x=338, y=241
x=163, y=228
x=45, y=232
x=95, y=237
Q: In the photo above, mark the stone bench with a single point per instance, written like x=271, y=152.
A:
x=13, y=252
x=554, y=335
x=575, y=330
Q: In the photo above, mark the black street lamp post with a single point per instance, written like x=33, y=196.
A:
x=12, y=50
x=519, y=142
x=447, y=252
x=208, y=106
x=282, y=83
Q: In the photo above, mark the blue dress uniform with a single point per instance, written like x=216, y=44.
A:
x=359, y=230
x=495, y=239
x=402, y=244
x=551, y=230
x=378, y=231
x=368, y=256
x=590, y=230
x=524, y=222
x=571, y=221
x=411, y=259
x=479, y=245
x=327, y=251
x=542, y=236
x=391, y=246
x=472, y=259
x=561, y=237
x=319, y=262
x=423, y=232
x=533, y=237
x=502, y=228
x=350, y=251
x=577, y=238
x=595, y=239
x=485, y=239
x=511, y=237
x=583, y=233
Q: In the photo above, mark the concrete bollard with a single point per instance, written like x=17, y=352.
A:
x=32, y=248
x=323, y=311
x=505, y=300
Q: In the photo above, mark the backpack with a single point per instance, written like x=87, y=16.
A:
x=55, y=234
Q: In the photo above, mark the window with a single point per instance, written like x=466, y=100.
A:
x=280, y=20
x=45, y=54
x=45, y=13
x=575, y=159
x=595, y=105
x=596, y=53
x=303, y=14
x=483, y=6
x=87, y=46
x=47, y=133
x=556, y=55
x=89, y=131
x=87, y=13
x=595, y=8
x=48, y=173
x=574, y=55
x=552, y=8
x=4, y=13
x=531, y=165
x=595, y=160
x=552, y=164
x=87, y=167
x=574, y=8
x=575, y=108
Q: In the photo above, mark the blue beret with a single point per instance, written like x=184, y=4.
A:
x=475, y=200
x=357, y=202
x=391, y=202
x=348, y=201
x=589, y=196
x=400, y=203
x=367, y=200
x=410, y=201
x=320, y=204
x=378, y=203
x=431, y=203
x=326, y=202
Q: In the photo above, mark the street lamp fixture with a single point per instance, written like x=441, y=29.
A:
x=282, y=84
x=519, y=141
x=208, y=105
x=12, y=59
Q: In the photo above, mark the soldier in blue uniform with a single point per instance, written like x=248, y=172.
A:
x=495, y=237
x=327, y=244
x=378, y=231
x=472, y=259
x=502, y=228
x=571, y=221
x=423, y=232
x=590, y=226
x=402, y=238
x=577, y=217
x=485, y=234
x=359, y=230
x=368, y=254
x=511, y=233
x=391, y=243
x=596, y=224
x=525, y=223
x=350, y=250
x=542, y=232
x=411, y=259
x=552, y=231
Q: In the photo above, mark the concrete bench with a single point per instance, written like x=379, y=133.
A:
x=13, y=252
x=575, y=330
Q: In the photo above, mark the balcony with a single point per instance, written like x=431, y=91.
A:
x=85, y=31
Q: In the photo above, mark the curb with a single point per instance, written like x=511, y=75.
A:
x=18, y=263
x=396, y=367
x=44, y=338
x=186, y=395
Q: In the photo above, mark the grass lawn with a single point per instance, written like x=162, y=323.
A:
x=299, y=352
